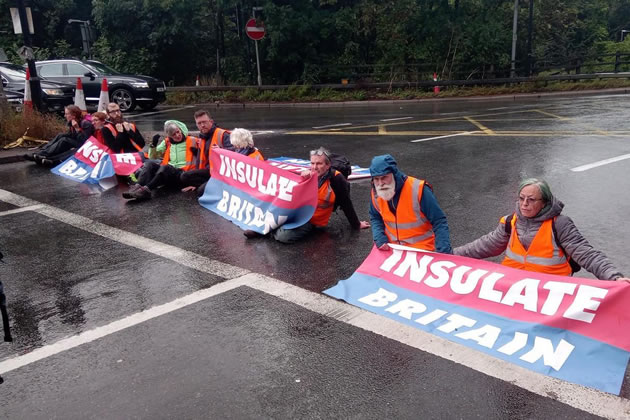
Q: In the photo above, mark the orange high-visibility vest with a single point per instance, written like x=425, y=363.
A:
x=114, y=132
x=192, y=161
x=325, y=204
x=408, y=226
x=543, y=255
x=206, y=148
x=256, y=155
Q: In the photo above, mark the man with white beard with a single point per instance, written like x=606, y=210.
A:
x=404, y=210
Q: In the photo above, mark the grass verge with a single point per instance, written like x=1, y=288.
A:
x=41, y=126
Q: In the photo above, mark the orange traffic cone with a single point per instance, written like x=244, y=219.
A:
x=28, y=100
x=79, y=97
x=103, y=100
x=436, y=89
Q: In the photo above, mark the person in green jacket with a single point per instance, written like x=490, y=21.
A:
x=180, y=153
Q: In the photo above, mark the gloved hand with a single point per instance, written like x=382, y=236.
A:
x=156, y=140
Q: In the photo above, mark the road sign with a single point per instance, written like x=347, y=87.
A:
x=255, y=30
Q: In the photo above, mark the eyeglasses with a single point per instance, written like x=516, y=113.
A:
x=114, y=111
x=528, y=200
x=320, y=152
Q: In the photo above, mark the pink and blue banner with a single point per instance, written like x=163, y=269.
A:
x=94, y=164
x=570, y=328
x=256, y=195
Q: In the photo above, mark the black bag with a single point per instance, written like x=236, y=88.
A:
x=341, y=163
x=575, y=267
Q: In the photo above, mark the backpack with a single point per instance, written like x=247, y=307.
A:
x=341, y=163
x=575, y=267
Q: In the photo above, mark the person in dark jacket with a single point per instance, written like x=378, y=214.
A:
x=404, y=210
x=333, y=191
x=119, y=135
x=66, y=144
x=539, y=238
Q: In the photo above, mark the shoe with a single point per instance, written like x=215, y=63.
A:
x=140, y=193
x=251, y=234
x=48, y=162
x=29, y=156
x=127, y=194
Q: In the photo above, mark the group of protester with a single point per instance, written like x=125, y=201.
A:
x=403, y=209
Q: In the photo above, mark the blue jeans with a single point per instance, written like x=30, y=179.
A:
x=291, y=236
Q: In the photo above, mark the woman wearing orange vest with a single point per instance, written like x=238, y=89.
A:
x=537, y=237
x=404, y=211
x=180, y=155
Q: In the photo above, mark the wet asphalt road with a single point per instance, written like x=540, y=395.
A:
x=239, y=354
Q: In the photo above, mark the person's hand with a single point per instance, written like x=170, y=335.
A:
x=215, y=146
x=156, y=140
x=74, y=123
x=119, y=127
x=306, y=174
x=384, y=247
x=127, y=126
x=364, y=225
x=624, y=279
x=187, y=189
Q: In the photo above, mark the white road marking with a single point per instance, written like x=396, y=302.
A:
x=396, y=119
x=113, y=327
x=173, y=253
x=600, y=163
x=262, y=132
x=443, y=137
x=21, y=209
x=583, y=398
x=333, y=125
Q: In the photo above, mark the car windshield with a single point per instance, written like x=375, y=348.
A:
x=12, y=71
x=102, y=69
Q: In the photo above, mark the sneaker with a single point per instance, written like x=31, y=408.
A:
x=128, y=194
x=251, y=234
x=48, y=162
x=29, y=156
x=141, y=193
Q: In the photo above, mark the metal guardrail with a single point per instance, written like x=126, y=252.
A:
x=398, y=85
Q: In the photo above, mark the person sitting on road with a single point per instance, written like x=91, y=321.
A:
x=404, y=210
x=211, y=136
x=119, y=135
x=333, y=190
x=243, y=142
x=181, y=153
x=98, y=121
x=66, y=144
x=537, y=237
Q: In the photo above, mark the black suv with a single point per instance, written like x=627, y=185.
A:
x=55, y=96
x=126, y=90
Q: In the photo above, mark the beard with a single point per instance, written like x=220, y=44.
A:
x=386, y=192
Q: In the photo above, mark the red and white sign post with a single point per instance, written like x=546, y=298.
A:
x=256, y=31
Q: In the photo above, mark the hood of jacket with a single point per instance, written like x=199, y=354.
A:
x=386, y=164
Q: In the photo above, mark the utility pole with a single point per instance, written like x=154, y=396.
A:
x=530, y=31
x=36, y=90
x=514, y=30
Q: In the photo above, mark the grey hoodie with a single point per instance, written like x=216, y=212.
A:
x=578, y=248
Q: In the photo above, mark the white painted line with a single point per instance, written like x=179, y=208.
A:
x=583, y=398
x=333, y=125
x=146, y=114
x=173, y=253
x=21, y=210
x=113, y=327
x=396, y=119
x=262, y=132
x=496, y=109
x=600, y=163
x=443, y=137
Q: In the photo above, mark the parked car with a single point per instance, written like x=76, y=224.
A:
x=55, y=96
x=15, y=99
x=126, y=90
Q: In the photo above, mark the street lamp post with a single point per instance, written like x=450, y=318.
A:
x=36, y=90
x=514, y=30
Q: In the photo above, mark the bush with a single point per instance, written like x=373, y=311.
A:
x=40, y=126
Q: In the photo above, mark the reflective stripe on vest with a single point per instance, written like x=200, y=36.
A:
x=191, y=160
x=217, y=139
x=408, y=226
x=543, y=255
x=325, y=204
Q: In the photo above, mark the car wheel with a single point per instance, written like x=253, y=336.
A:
x=124, y=98
x=147, y=106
